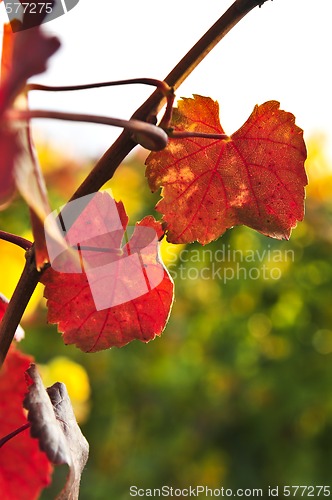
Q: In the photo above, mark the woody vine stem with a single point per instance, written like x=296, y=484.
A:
x=109, y=162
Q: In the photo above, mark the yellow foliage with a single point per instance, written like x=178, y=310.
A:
x=169, y=252
x=12, y=262
x=75, y=377
x=62, y=173
x=319, y=169
x=127, y=187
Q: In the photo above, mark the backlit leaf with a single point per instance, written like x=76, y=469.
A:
x=25, y=54
x=255, y=178
x=24, y=470
x=135, y=289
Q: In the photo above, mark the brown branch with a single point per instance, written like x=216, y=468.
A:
x=16, y=307
x=16, y=240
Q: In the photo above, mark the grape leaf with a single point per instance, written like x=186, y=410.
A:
x=24, y=470
x=255, y=178
x=54, y=424
x=31, y=18
x=130, y=310
x=25, y=54
x=19, y=164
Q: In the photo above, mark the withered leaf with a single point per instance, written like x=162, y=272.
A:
x=54, y=424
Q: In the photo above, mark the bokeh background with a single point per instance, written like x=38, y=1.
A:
x=237, y=391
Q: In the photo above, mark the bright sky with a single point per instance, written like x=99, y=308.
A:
x=281, y=51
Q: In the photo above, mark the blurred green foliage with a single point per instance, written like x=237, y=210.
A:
x=237, y=391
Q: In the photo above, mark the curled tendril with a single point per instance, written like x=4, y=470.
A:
x=147, y=135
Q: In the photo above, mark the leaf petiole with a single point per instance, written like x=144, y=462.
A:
x=5, y=439
x=184, y=134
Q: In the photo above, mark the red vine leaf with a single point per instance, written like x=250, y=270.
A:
x=19, y=63
x=24, y=470
x=123, y=291
x=27, y=63
x=255, y=178
x=18, y=164
x=54, y=424
x=31, y=18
